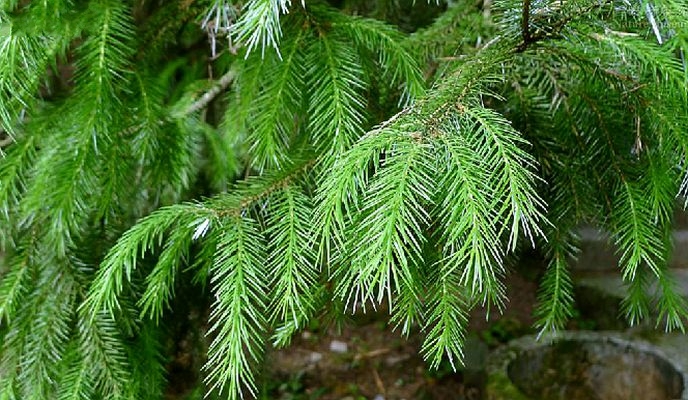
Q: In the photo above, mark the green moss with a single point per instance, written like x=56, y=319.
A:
x=500, y=387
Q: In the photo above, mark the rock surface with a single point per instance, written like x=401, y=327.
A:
x=581, y=365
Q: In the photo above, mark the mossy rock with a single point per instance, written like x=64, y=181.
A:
x=583, y=365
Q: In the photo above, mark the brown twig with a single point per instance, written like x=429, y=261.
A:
x=371, y=354
x=378, y=382
x=220, y=85
x=6, y=141
x=247, y=201
x=530, y=39
x=525, y=21
x=487, y=9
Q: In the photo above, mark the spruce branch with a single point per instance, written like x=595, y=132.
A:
x=121, y=260
x=25, y=59
x=160, y=281
x=555, y=296
x=467, y=212
x=387, y=244
x=337, y=104
x=522, y=205
x=388, y=43
x=15, y=167
x=104, y=352
x=291, y=262
x=447, y=320
x=53, y=304
x=148, y=362
x=672, y=307
x=555, y=299
x=13, y=345
x=237, y=316
x=77, y=382
x=189, y=221
x=339, y=195
x=16, y=284
x=68, y=177
x=560, y=113
x=636, y=303
x=259, y=24
x=275, y=109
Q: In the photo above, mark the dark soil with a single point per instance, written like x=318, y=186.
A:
x=367, y=360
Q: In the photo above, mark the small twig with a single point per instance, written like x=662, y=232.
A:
x=277, y=185
x=220, y=85
x=638, y=145
x=525, y=22
x=487, y=9
x=633, y=89
x=386, y=123
x=452, y=58
x=371, y=354
x=653, y=22
x=378, y=382
x=6, y=141
x=542, y=34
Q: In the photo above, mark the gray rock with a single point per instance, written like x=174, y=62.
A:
x=396, y=359
x=598, y=253
x=338, y=347
x=583, y=365
x=314, y=357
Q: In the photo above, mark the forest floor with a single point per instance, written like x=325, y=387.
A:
x=367, y=360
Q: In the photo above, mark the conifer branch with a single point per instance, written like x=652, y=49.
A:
x=160, y=281
x=105, y=353
x=275, y=108
x=16, y=283
x=53, y=304
x=467, y=211
x=237, y=318
x=291, y=261
x=259, y=24
x=77, y=382
x=337, y=104
x=541, y=116
x=388, y=243
x=447, y=320
x=555, y=297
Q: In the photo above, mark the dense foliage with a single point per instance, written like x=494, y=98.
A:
x=224, y=172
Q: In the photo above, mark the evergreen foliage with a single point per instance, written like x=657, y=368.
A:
x=278, y=161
